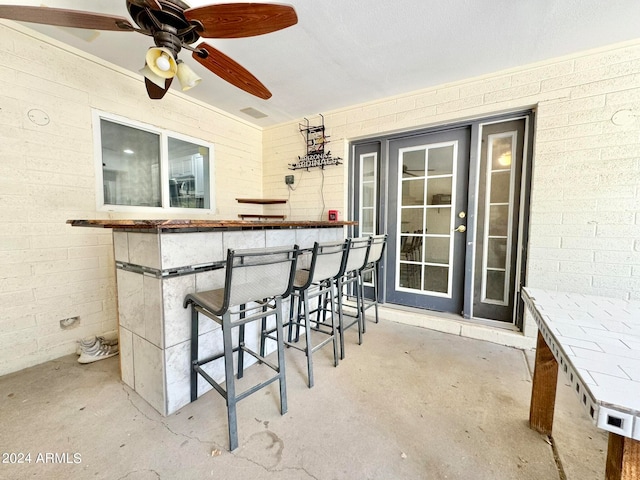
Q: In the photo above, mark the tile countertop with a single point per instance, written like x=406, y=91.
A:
x=205, y=224
x=600, y=336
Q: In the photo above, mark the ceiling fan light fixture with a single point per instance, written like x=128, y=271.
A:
x=161, y=62
x=148, y=73
x=173, y=25
x=187, y=77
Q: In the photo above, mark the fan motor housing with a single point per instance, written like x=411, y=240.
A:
x=172, y=21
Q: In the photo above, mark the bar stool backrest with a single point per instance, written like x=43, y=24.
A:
x=256, y=274
x=358, y=253
x=376, y=249
x=327, y=261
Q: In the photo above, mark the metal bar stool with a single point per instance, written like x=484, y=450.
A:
x=256, y=281
x=370, y=274
x=350, y=278
x=316, y=281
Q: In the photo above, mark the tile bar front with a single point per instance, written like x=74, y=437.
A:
x=156, y=267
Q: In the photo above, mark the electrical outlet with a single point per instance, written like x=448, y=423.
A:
x=288, y=179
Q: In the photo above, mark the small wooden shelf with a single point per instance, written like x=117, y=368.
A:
x=261, y=201
x=266, y=217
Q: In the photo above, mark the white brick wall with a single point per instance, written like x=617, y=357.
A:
x=585, y=201
x=50, y=271
x=585, y=211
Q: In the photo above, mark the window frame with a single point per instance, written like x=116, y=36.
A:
x=164, y=135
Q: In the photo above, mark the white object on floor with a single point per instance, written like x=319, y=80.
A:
x=92, y=349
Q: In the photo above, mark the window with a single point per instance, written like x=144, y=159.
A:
x=142, y=166
x=368, y=197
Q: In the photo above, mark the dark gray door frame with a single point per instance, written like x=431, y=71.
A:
x=474, y=125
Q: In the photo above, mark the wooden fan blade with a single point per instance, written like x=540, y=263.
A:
x=154, y=91
x=237, y=20
x=64, y=18
x=231, y=71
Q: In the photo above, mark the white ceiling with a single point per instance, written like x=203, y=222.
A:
x=345, y=52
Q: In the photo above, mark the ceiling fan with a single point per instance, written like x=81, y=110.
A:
x=174, y=26
x=409, y=172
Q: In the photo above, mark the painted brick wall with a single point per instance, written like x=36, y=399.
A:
x=50, y=271
x=585, y=221
x=585, y=211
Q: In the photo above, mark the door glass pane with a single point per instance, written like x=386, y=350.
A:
x=440, y=160
x=497, y=253
x=495, y=285
x=188, y=174
x=502, y=151
x=500, y=183
x=497, y=206
x=439, y=220
x=436, y=250
x=436, y=279
x=439, y=191
x=413, y=192
x=426, y=198
x=411, y=220
x=130, y=165
x=498, y=220
x=411, y=248
x=410, y=276
x=413, y=163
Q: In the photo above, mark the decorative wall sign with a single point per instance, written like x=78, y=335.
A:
x=316, y=155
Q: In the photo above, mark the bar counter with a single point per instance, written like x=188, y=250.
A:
x=205, y=224
x=159, y=262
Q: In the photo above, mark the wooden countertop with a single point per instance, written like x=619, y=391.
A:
x=205, y=224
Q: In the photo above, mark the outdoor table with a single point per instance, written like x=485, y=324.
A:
x=595, y=341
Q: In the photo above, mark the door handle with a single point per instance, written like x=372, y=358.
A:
x=460, y=229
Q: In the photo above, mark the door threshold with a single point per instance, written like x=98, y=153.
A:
x=479, y=329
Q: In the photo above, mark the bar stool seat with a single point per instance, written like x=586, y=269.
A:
x=256, y=281
x=350, y=278
x=315, y=281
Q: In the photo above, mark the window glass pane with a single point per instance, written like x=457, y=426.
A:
x=130, y=165
x=368, y=193
x=188, y=174
x=368, y=167
x=366, y=223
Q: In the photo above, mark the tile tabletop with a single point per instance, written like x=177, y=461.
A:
x=596, y=341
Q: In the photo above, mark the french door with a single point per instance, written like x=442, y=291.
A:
x=454, y=205
x=428, y=178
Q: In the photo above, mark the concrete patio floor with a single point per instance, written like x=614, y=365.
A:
x=410, y=403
